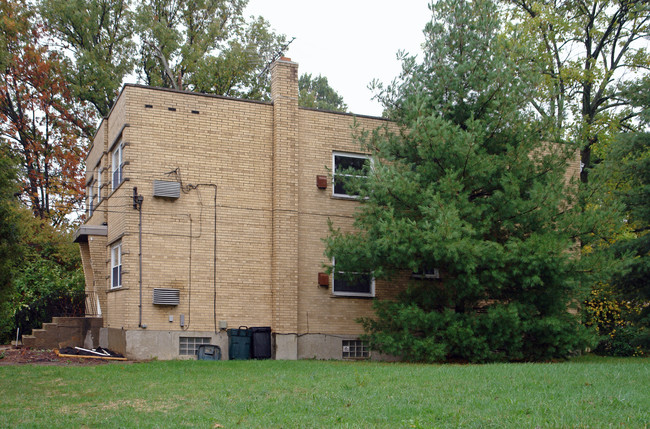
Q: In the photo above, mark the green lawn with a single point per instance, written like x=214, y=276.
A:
x=587, y=392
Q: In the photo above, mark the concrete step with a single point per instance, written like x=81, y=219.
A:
x=43, y=338
x=39, y=333
x=68, y=321
x=29, y=341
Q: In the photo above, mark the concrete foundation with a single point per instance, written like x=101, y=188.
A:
x=165, y=345
x=330, y=347
x=286, y=346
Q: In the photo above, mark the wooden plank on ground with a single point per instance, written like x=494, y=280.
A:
x=87, y=357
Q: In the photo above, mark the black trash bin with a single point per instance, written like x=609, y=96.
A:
x=239, y=343
x=261, y=342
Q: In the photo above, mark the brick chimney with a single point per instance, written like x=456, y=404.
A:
x=284, y=259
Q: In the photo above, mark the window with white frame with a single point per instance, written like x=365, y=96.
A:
x=116, y=265
x=346, y=166
x=117, y=165
x=99, y=185
x=352, y=283
x=91, y=200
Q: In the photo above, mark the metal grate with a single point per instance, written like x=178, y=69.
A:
x=189, y=345
x=166, y=189
x=355, y=349
x=163, y=296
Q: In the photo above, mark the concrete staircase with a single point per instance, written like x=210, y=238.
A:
x=65, y=332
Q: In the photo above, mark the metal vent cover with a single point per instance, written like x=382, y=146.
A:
x=166, y=189
x=165, y=296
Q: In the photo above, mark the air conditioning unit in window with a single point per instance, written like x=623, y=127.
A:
x=166, y=296
x=166, y=189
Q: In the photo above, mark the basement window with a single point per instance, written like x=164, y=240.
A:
x=189, y=345
x=355, y=349
x=346, y=166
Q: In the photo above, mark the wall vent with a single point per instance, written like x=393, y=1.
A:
x=164, y=296
x=166, y=189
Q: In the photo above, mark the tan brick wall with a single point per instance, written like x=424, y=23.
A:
x=269, y=217
x=321, y=134
x=228, y=143
x=284, y=257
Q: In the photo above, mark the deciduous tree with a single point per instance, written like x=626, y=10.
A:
x=98, y=35
x=624, y=176
x=46, y=129
x=317, y=93
x=205, y=46
x=587, y=50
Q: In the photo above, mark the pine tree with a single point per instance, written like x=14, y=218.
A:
x=470, y=184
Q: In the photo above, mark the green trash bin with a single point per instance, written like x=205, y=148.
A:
x=239, y=343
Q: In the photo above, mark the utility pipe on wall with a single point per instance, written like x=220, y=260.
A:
x=137, y=204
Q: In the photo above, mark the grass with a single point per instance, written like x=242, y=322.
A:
x=586, y=392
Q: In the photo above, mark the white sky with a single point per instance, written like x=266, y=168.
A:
x=351, y=42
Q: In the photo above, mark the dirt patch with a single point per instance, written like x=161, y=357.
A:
x=13, y=356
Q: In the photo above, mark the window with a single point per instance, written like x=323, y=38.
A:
x=347, y=165
x=426, y=273
x=352, y=284
x=116, y=265
x=355, y=349
x=188, y=346
x=99, y=185
x=118, y=164
x=91, y=201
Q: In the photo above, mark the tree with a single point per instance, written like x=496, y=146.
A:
x=469, y=185
x=317, y=93
x=205, y=46
x=98, y=35
x=9, y=248
x=40, y=119
x=47, y=280
x=587, y=50
x=625, y=177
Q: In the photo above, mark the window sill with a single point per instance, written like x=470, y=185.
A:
x=345, y=197
x=332, y=295
x=117, y=289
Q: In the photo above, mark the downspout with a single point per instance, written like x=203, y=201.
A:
x=137, y=204
x=214, y=255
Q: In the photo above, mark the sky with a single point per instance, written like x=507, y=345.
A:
x=351, y=42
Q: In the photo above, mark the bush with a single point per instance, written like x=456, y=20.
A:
x=47, y=281
x=499, y=332
x=615, y=321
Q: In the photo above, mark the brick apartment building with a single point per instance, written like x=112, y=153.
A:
x=207, y=213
